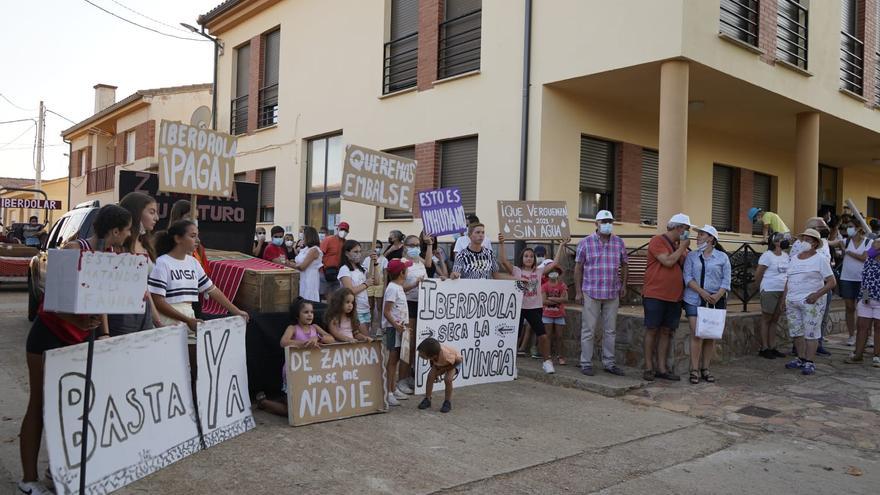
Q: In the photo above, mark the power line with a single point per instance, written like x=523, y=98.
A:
x=19, y=137
x=59, y=115
x=16, y=106
x=19, y=120
x=126, y=7
x=140, y=25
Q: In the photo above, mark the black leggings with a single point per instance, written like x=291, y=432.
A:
x=534, y=317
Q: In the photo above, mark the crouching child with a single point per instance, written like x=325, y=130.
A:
x=445, y=364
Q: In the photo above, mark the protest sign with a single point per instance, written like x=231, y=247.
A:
x=480, y=318
x=37, y=204
x=442, y=211
x=194, y=160
x=141, y=415
x=336, y=381
x=376, y=178
x=222, y=384
x=528, y=220
x=224, y=223
x=90, y=282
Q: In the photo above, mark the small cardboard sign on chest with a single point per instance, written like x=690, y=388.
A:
x=376, y=178
x=533, y=220
x=87, y=282
x=195, y=161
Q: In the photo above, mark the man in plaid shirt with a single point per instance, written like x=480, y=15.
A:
x=600, y=274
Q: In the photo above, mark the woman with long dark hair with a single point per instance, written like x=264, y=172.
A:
x=309, y=261
x=50, y=330
x=352, y=276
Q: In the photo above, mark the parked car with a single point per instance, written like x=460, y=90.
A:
x=75, y=224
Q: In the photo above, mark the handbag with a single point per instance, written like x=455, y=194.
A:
x=710, y=320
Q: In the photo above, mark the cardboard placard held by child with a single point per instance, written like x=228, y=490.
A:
x=87, y=282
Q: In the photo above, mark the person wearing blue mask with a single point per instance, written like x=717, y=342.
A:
x=275, y=251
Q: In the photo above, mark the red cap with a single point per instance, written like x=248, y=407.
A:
x=342, y=226
x=396, y=265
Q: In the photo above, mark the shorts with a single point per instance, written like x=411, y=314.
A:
x=661, y=314
x=413, y=309
x=868, y=309
x=40, y=339
x=555, y=321
x=849, y=289
x=393, y=338
x=770, y=301
x=185, y=309
x=535, y=319
x=364, y=317
x=690, y=310
x=442, y=376
x=805, y=320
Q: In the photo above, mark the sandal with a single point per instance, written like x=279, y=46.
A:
x=561, y=361
x=705, y=375
x=259, y=399
x=694, y=377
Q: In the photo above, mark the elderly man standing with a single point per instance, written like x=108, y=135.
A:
x=662, y=294
x=600, y=274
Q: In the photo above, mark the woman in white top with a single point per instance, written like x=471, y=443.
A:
x=855, y=250
x=309, y=261
x=771, y=275
x=353, y=276
x=809, y=279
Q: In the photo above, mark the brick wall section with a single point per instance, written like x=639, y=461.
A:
x=255, y=76
x=75, y=163
x=767, y=14
x=628, y=183
x=869, y=31
x=88, y=152
x=430, y=17
x=428, y=171
x=145, y=140
x=743, y=189
x=252, y=176
x=119, y=148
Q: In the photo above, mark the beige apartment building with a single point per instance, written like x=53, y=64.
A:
x=121, y=135
x=644, y=107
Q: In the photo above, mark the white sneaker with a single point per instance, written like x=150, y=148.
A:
x=404, y=387
x=410, y=382
x=33, y=488
x=851, y=341
x=392, y=401
x=871, y=341
x=875, y=362
x=400, y=395
x=548, y=367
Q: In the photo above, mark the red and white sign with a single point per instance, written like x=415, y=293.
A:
x=37, y=204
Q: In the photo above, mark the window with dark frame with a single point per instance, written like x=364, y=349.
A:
x=458, y=168
x=268, y=97
x=238, y=117
x=873, y=209
x=650, y=178
x=597, y=173
x=401, y=55
x=761, y=195
x=828, y=188
x=739, y=20
x=130, y=142
x=388, y=213
x=852, y=49
x=323, y=182
x=792, y=25
x=722, y=198
x=267, y=195
x=460, y=38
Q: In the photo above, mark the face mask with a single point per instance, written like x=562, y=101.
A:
x=702, y=246
x=321, y=236
x=553, y=276
x=261, y=237
x=685, y=235
x=413, y=252
x=851, y=232
x=539, y=260
x=288, y=243
x=605, y=228
x=342, y=234
x=277, y=241
x=354, y=257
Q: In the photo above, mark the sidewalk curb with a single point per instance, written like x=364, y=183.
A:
x=608, y=386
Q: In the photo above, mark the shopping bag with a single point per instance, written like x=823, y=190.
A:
x=405, y=345
x=710, y=323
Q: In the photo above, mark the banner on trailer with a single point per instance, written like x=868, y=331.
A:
x=442, y=211
x=141, y=415
x=336, y=381
x=193, y=160
x=480, y=318
x=91, y=282
x=533, y=220
x=376, y=178
x=37, y=204
x=222, y=384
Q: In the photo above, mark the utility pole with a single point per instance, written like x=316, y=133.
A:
x=38, y=163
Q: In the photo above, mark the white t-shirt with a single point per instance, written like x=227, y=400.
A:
x=465, y=241
x=400, y=311
x=852, y=268
x=361, y=299
x=412, y=275
x=807, y=276
x=179, y=281
x=776, y=273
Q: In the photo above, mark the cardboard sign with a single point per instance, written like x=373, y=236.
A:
x=195, y=161
x=37, y=204
x=376, y=178
x=527, y=220
x=480, y=318
x=141, y=417
x=335, y=382
x=222, y=384
x=442, y=211
x=86, y=282
x=226, y=224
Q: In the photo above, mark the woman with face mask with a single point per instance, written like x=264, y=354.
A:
x=289, y=246
x=770, y=276
x=868, y=308
x=259, y=242
x=707, y=282
x=855, y=252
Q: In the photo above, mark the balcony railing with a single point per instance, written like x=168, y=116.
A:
x=238, y=115
x=852, y=63
x=268, y=114
x=460, y=41
x=739, y=19
x=877, y=82
x=791, y=33
x=400, y=69
x=101, y=179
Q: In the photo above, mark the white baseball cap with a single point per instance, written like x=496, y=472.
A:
x=604, y=215
x=709, y=230
x=681, y=219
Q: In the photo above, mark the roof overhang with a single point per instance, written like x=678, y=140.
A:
x=232, y=13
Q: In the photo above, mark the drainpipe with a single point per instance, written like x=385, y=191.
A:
x=526, y=81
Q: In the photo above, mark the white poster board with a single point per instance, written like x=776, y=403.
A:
x=480, y=318
x=222, y=384
x=141, y=419
x=195, y=161
x=88, y=282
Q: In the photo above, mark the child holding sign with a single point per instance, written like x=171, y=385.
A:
x=445, y=365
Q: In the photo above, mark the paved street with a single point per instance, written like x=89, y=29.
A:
x=534, y=437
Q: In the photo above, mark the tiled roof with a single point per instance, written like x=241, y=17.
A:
x=216, y=11
x=15, y=182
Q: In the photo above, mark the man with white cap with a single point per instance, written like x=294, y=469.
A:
x=707, y=282
x=662, y=293
x=600, y=257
